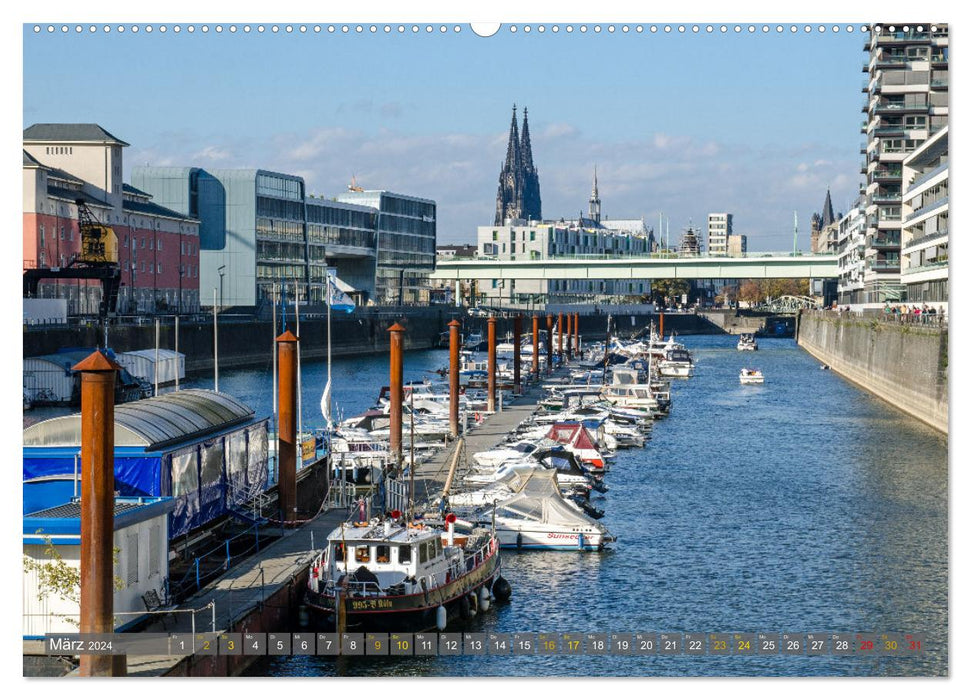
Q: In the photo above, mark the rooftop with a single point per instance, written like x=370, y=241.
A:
x=70, y=133
x=151, y=423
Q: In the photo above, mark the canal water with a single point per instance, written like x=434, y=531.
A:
x=801, y=505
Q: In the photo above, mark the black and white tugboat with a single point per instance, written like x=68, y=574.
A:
x=392, y=575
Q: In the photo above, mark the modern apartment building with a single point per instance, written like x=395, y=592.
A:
x=906, y=103
x=851, y=251
x=924, y=230
x=719, y=229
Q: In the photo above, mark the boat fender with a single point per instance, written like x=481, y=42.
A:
x=580, y=541
x=484, y=598
x=501, y=589
x=473, y=603
x=519, y=541
x=441, y=618
x=465, y=609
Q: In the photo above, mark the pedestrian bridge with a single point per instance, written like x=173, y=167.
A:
x=752, y=266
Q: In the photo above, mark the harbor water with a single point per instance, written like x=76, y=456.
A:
x=799, y=505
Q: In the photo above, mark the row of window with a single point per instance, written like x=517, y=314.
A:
x=275, y=186
x=388, y=554
x=407, y=207
x=403, y=224
x=60, y=150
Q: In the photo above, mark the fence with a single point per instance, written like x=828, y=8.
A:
x=208, y=565
x=397, y=495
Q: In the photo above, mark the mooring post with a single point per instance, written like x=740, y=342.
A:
x=535, y=347
x=453, y=377
x=287, y=457
x=491, y=366
x=517, y=353
x=569, y=336
x=559, y=335
x=549, y=343
x=576, y=332
x=98, y=508
x=661, y=325
x=397, y=332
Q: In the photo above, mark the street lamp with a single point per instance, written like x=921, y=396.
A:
x=221, y=273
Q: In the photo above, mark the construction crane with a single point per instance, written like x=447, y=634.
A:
x=97, y=260
x=354, y=187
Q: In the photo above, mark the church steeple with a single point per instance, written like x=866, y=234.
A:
x=532, y=203
x=518, y=195
x=828, y=216
x=594, y=212
x=514, y=157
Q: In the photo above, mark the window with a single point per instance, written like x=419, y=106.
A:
x=143, y=243
x=159, y=244
x=126, y=240
x=382, y=554
x=131, y=557
x=151, y=244
x=339, y=552
x=362, y=554
x=404, y=554
x=42, y=234
x=158, y=268
x=423, y=553
x=154, y=550
x=62, y=233
x=143, y=265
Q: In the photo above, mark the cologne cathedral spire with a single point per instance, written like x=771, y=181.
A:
x=518, y=195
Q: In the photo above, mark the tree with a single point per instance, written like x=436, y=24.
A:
x=662, y=290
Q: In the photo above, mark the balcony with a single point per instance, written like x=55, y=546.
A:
x=900, y=107
x=939, y=84
x=884, y=266
x=886, y=198
x=911, y=36
x=890, y=131
x=883, y=240
x=888, y=173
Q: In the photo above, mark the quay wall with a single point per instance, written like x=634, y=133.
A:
x=905, y=365
x=248, y=343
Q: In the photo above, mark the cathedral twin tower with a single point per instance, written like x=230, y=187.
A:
x=518, y=196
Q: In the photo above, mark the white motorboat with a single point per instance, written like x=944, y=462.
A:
x=747, y=341
x=751, y=376
x=538, y=517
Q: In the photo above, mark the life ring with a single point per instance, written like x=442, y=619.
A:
x=477, y=417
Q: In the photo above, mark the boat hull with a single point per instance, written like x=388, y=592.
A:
x=414, y=611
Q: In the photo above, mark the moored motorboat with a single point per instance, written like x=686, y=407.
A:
x=392, y=575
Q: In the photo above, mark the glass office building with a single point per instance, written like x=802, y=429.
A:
x=260, y=228
x=406, y=235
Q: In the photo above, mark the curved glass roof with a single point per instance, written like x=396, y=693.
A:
x=151, y=423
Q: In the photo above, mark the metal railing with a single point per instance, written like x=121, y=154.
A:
x=208, y=565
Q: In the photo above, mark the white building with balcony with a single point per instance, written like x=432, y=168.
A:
x=906, y=103
x=719, y=231
x=851, y=250
x=924, y=229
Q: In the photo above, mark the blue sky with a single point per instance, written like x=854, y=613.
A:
x=755, y=124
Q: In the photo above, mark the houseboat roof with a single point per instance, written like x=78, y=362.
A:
x=151, y=423
x=63, y=522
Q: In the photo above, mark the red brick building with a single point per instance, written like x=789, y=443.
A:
x=158, y=248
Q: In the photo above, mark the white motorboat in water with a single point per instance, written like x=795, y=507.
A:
x=538, y=517
x=751, y=376
x=747, y=341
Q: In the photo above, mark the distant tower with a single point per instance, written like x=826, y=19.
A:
x=518, y=196
x=509, y=199
x=594, y=212
x=532, y=202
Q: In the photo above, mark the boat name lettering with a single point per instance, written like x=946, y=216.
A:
x=371, y=604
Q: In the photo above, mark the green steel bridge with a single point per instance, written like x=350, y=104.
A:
x=751, y=266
